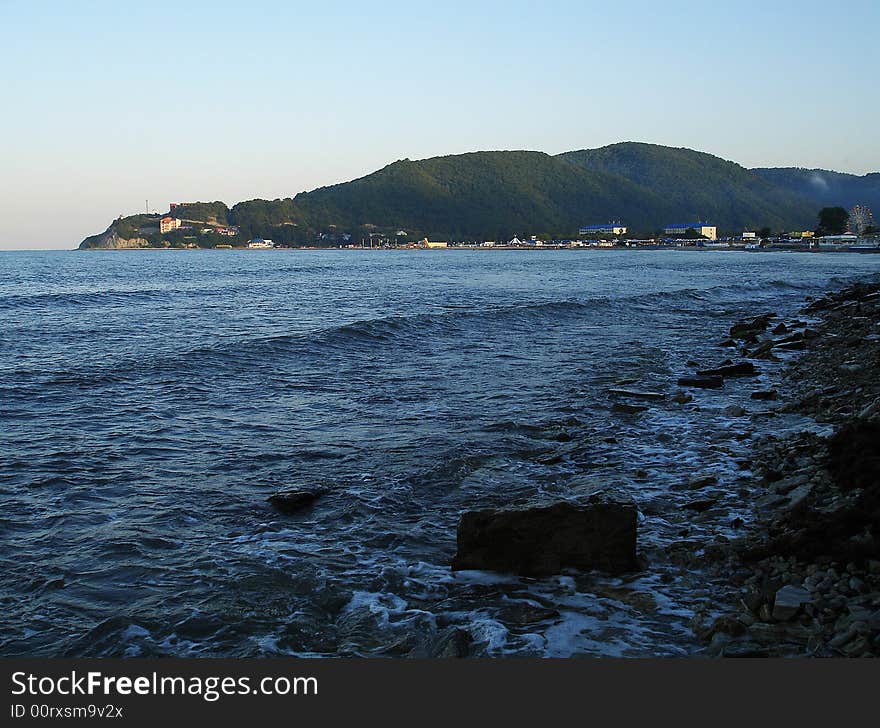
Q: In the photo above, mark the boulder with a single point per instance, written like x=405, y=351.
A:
x=788, y=602
x=749, y=329
x=295, y=499
x=702, y=382
x=743, y=369
x=546, y=538
x=767, y=394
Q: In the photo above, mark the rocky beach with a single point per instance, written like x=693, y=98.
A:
x=805, y=573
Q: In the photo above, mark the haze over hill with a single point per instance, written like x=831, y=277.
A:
x=825, y=187
x=495, y=195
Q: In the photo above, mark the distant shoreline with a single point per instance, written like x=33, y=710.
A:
x=485, y=249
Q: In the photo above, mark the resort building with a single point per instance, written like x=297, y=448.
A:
x=433, y=244
x=705, y=229
x=168, y=223
x=260, y=243
x=612, y=228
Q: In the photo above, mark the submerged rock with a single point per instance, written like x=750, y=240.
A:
x=767, y=394
x=631, y=409
x=636, y=394
x=702, y=382
x=544, y=539
x=682, y=397
x=295, y=499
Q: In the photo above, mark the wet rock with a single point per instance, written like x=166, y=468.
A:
x=763, y=351
x=701, y=505
x=625, y=407
x=742, y=369
x=748, y=329
x=701, y=481
x=702, y=382
x=599, y=533
x=735, y=410
x=681, y=397
x=788, y=602
x=765, y=394
x=523, y=613
x=452, y=643
x=780, y=329
x=636, y=394
x=295, y=499
x=792, y=343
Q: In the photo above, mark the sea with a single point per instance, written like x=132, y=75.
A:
x=151, y=402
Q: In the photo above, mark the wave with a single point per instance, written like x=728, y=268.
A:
x=86, y=299
x=401, y=331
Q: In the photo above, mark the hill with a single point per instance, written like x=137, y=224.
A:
x=478, y=195
x=701, y=186
x=495, y=195
x=826, y=188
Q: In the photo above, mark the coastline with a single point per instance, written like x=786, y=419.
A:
x=805, y=575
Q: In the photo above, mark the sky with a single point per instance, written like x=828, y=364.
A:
x=110, y=104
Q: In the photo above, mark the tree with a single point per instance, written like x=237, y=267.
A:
x=832, y=221
x=765, y=233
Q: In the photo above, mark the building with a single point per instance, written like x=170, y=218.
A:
x=611, y=228
x=747, y=235
x=168, y=223
x=260, y=243
x=707, y=230
x=431, y=244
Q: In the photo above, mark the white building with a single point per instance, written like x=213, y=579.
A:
x=612, y=228
x=701, y=228
x=260, y=243
x=168, y=223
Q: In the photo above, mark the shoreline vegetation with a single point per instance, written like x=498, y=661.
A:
x=804, y=576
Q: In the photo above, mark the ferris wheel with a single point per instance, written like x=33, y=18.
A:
x=860, y=218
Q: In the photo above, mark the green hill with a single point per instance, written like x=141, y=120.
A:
x=700, y=186
x=478, y=195
x=826, y=188
x=495, y=195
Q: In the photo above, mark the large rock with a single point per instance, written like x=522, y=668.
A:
x=788, y=601
x=544, y=539
x=747, y=329
x=743, y=369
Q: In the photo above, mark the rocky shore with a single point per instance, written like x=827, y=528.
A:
x=805, y=573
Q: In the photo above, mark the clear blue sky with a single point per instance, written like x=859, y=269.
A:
x=108, y=104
